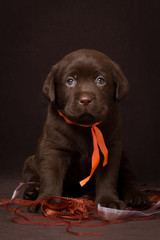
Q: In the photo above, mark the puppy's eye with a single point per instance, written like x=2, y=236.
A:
x=100, y=81
x=71, y=82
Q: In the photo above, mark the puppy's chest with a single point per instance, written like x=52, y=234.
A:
x=80, y=166
x=83, y=146
x=83, y=142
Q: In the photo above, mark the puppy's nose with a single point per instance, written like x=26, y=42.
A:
x=85, y=99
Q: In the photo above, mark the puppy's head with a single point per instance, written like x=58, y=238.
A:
x=85, y=85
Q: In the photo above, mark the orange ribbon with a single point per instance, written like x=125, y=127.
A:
x=98, y=142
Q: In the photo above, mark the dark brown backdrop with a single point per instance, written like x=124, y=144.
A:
x=36, y=34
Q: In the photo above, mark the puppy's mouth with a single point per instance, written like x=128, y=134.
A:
x=86, y=119
x=85, y=116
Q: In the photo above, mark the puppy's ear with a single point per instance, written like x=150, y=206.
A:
x=121, y=82
x=48, y=87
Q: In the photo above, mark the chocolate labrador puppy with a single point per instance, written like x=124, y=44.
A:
x=84, y=89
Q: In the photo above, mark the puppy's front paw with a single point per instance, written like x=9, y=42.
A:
x=31, y=193
x=43, y=198
x=135, y=198
x=117, y=204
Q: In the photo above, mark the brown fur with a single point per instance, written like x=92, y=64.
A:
x=86, y=86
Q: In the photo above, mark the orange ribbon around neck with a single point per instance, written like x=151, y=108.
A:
x=98, y=142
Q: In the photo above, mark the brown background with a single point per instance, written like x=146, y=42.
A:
x=34, y=35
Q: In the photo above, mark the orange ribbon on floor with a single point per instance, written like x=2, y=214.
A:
x=98, y=142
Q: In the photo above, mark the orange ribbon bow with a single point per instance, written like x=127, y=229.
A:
x=98, y=142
